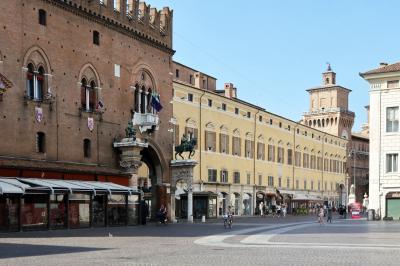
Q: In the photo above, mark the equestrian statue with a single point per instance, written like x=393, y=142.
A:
x=187, y=145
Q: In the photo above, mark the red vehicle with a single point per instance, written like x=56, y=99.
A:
x=355, y=210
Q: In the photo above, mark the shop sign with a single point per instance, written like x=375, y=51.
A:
x=393, y=195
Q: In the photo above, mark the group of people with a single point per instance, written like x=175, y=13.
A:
x=144, y=213
x=324, y=211
x=276, y=210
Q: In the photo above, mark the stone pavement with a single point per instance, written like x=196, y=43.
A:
x=252, y=241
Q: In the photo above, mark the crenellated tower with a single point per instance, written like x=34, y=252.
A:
x=329, y=107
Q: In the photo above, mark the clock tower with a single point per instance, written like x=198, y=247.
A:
x=328, y=109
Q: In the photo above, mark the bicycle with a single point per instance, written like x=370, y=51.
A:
x=228, y=221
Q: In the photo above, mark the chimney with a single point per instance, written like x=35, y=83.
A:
x=230, y=90
x=383, y=64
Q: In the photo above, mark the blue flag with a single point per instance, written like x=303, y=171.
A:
x=155, y=102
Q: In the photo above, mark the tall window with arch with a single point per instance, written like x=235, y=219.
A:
x=88, y=95
x=35, y=82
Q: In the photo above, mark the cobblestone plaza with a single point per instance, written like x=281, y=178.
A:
x=252, y=241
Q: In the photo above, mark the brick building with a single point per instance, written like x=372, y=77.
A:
x=74, y=74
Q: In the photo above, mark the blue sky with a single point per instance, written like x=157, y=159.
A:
x=274, y=50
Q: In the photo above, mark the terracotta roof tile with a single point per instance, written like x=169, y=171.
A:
x=389, y=68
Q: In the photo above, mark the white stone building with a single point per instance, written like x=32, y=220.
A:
x=384, y=183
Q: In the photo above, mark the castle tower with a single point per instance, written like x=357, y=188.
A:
x=329, y=107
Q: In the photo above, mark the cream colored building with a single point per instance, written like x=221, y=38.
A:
x=247, y=155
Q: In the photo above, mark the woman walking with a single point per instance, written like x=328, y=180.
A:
x=321, y=216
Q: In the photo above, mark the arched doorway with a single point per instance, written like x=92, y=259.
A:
x=247, y=206
x=150, y=180
x=222, y=203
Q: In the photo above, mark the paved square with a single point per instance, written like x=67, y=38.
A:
x=252, y=241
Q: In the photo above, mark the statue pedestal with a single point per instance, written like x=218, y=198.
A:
x=183, y=170
x=130, y=158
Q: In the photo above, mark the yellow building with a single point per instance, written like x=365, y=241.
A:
x=247, y=155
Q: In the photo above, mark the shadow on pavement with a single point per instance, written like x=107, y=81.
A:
x=11, y=250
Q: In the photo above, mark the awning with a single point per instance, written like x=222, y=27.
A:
x=12, y=186
x=20, y=185
x=306, y=197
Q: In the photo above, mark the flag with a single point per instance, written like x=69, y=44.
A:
x=155, y=102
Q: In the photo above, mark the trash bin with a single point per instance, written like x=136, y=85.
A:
x=371, y=215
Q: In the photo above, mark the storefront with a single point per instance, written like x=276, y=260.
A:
x=37, y=204
x=204, y=203
x=393, y=205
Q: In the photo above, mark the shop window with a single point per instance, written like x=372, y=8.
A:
x=34, y=211
x=86, y=148
x=96, y=37
x=133, y=209
x=79, y=210
x=58, y=212
x=42, y=17
x=116, y=209
x=9, y=213
x=99, y=210
x=40, y=142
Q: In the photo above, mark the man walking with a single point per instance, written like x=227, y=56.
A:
x=329, y=219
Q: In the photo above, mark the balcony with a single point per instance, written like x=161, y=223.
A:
x=146, y=121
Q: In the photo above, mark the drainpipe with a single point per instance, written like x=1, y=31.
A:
x=200, y=134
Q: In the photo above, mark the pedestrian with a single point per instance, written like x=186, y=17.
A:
x=284, y=210
x=329, y=219
x=144, y=212
x=278, y=210
x=261, y=207
x=273, y=209
x=321, y=216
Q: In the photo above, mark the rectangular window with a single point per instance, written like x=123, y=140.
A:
x=305, y=160
x=190, y=97
x=96, y=37
x=280, y=124
x=236, y=146
x=236, y=111
x=319, y=186
x=313, y=164
x=270, y=181
x=209, y=103
x=392, y=84
x=391, y=163
x=223, y=143
x=281, y=154
x=288, y=182
x=212, y=175
x=260, y=151
x=297, y=184
x=204, y=84
x=223, y=106
x=260, y=180
x=312, y=185
x=248, y=179
x=40, y=142
x=177, y=73
x=248, y=114
x=297, y=158
x=280, y=182
x=210, y=141
x=289, y=156
x=117, y=70
x=260, y=118
x=326, y=186
x=236, y=177
x=305, y=184
x=42, y=17
x=392, y=119
x=191, y=79
x=271, y=153
x=271, y=121
x=249, y=147
x=224, y=176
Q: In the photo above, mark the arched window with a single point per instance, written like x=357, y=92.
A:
x=40, y=84
x=88, y=95
x=30, y=81
x=86, y=148
x=40, y=142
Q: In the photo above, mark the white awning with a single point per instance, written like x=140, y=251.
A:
x=12, y=186
x=306, y=197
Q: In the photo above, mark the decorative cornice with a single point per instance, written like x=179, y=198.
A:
x=110, y=23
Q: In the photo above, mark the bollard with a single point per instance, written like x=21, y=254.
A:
x=203, y=219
